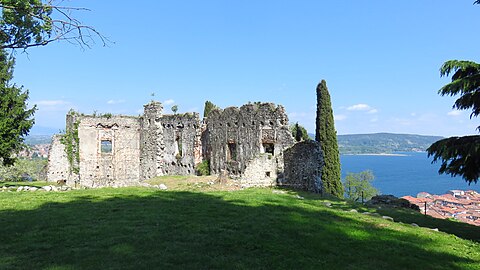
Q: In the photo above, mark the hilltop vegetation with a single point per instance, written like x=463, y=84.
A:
x=384, y=143
x=31, y=140
x=141, y=228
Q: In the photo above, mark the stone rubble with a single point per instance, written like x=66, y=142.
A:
x=34, y=188
x=53, y=188
x=328, y=204
x=388, y=218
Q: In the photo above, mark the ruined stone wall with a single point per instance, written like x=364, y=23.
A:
x=261, y=171
x=109, y=150
x=58, y=166
x=248, y=143
x=182, y=147
x=152, y=146
x=303, y=166
x=237, y=136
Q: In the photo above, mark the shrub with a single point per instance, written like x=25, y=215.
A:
x=203, y=168
x=358, y=186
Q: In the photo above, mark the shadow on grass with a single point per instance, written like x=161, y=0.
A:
x=408, y=216
x=164, y=230
x=460, y=229
x=37, y=184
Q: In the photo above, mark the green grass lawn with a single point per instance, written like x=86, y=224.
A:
x=140, y=228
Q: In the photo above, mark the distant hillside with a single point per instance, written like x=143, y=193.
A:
x=379, y=143
x=375, y=143
x=38, y=139
x=384, y=143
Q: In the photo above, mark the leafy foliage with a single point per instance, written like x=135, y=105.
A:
x=460, y=155
x=203, y=168
x=466, y=82
x=15, y=119
x=25, y=169
x=327, y=137
x=299, y=132
x=72, y=145
x=174, y=109
x=28, y=23
x=358, y=186
x=209, y=106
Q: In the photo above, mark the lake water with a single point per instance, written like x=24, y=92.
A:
x=403, y=175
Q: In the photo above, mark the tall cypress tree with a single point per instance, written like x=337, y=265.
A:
x=326, y=135
x=209, y=106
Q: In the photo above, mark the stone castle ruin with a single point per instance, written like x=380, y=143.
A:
x=251, y=144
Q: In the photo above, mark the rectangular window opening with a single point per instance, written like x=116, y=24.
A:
x=232, y=151
x=179, y=145
x=106, y=146
x=269, y=148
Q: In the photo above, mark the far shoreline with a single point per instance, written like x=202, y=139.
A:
x=380, y=154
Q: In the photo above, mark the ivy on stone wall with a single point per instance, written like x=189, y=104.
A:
x=71, y=141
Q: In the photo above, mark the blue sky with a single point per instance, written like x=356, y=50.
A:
x=380, y=59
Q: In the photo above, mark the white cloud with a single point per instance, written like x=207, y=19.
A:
x=360, y=107
x=339, y=117
x=118, y=101
x=454, y=113
x=51, y=102
x=168, y=102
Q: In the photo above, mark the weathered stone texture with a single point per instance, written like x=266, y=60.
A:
x=303, y=166
x=247, y=143
x=120, y=165
x=151, y=141
x=58, y=167
x=260, y=171
x=181, y=138
x=236, y=136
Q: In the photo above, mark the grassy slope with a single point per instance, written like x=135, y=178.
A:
x=139, y=228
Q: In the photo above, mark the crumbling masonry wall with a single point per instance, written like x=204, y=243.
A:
x=58, y=166
x=248, y=142
x=151, y=141
x=109, y=150
x=170, y=144
x=303, y=166
x=182, y=143
x=251, y=144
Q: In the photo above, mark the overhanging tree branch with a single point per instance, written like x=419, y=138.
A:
x=31, y=23
x=459, y=156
